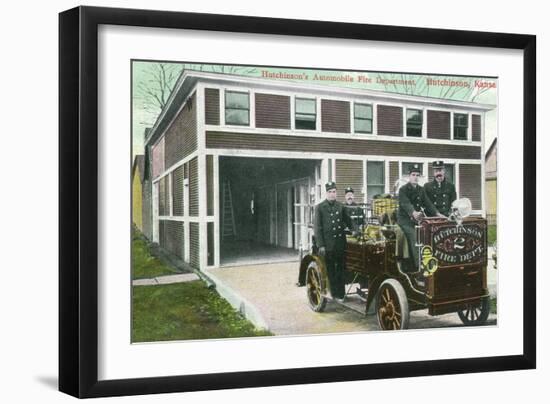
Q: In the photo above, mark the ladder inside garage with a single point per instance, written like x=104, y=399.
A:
x=228, y=217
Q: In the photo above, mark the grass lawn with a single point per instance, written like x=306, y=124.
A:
x=183, y=311
x=493, y=305
x=144, y=265
x=491, y=234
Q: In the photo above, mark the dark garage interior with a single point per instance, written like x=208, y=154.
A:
x=260, y=216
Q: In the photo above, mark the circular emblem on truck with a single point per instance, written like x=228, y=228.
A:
x=429, y=262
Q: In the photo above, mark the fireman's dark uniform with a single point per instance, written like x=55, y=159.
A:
x=442, y=194
x=331, y=218
x=412, y=198
x=355, y=212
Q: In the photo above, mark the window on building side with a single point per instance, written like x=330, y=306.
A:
x=375, y=178
x=461, y=126
x=414, y=122
x=237, y=108
x=450, y=173
x=362, y=118
x=306, y=113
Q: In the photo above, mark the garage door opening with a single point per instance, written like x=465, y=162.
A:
x=265, y=208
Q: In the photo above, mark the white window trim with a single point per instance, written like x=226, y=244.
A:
x=352, y=118
x=423, y=129
x=216, y=190
x=468, y=139
x=365, y=176
x=425, y=123
x=317, y=129
x=171, y=207
x=318, y=121
x=292, y=113
x=250, y=115
x=387, y=172
x=469, y=131
x=155, y=213
x=299, y=93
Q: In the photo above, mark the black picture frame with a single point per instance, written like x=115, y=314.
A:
x=78, y=196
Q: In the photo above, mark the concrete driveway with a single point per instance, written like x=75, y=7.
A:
x=267, y=294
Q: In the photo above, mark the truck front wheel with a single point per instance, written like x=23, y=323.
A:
x=315, y=287
x=392, y=306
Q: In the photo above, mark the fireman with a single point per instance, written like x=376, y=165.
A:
x=331, y=218
x=354, y=210
x=440, y=191
x=413, y=205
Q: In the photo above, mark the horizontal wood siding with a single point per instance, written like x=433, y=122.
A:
x=146, y=209
x=158, y=158
x=272, y=111
x=181, y=136
x=476, y=128
x=209, y=185
x=256, y=141
x=194, y=245
x=172, y=237
x=163, y=190
x=394, y=174
x=349, y=173
x=439, y=124
x=177, y=191
x=470, y=183
x=212, y=106
x=335, y=116
x=390, y=120
x=193, y=187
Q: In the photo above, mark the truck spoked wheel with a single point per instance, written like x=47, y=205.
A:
x=475, y=314
x=315, y=286
x=392, y=306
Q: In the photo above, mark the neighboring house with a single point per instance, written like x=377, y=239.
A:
x=236, y=162
x=491, y=183
x=137, y=194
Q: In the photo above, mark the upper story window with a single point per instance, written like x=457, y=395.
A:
x=460, y=126
x=414, y=122
x=306, y=113
x=237, y=108
x=362, y=118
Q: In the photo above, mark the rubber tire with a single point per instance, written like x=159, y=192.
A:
x=483, y=315
x=402, y=300
x=313, y=270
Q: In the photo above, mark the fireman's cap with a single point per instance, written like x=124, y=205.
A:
x=415, y=168
x=330, y=185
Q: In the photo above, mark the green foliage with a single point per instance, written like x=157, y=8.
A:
x=185, y=311
x=492, y=234
x=493, y=305
x=144, y=265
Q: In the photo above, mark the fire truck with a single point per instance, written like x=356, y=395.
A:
x=450, y=277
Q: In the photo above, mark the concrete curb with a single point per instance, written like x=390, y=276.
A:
x=238, y=302
x=165, y=280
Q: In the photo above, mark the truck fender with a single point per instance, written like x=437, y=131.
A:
x=373, y=290
x=304, y=263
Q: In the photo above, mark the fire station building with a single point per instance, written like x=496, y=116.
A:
x=233, y=164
